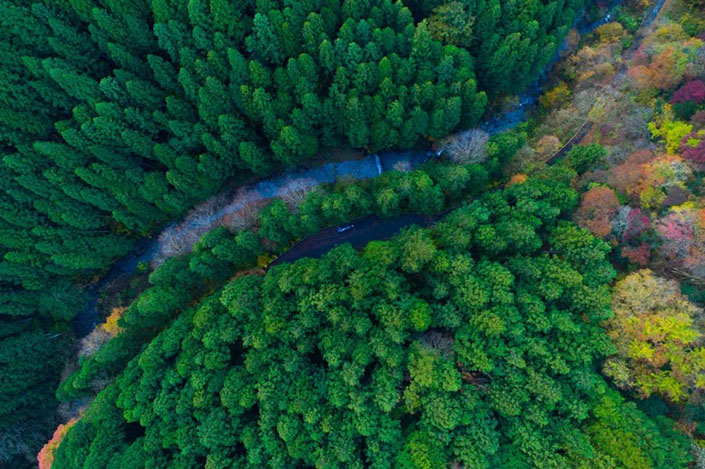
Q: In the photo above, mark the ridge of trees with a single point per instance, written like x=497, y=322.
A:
x=220, y=253
x=118, y=117
x=473, y=342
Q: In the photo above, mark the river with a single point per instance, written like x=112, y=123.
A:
x=370, y=166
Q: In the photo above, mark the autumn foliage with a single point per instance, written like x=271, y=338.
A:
x=111, y=322
x=665, y=59
x=557, y=96
x=45, y=458
x=691, y=91
x=693, y=147
x=682, y=239
x=518, y=178
x=672, y=132
x=659, y=347
x=597, y=207
x=101, y=334
x=626, y=177
x=664, y=182
x=637, y=254
x=610, y=32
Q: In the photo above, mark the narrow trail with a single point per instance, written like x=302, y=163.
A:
x=585, y=128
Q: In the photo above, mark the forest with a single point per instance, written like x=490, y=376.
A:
x=548, y=314
x=490, y=335
x=117, y=116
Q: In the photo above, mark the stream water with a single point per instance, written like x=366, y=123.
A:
x=367, y=167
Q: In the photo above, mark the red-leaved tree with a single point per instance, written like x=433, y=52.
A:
x=693, y=147
x=46, y=455
x=637, y=254
x=691, y=91
x=597, y=208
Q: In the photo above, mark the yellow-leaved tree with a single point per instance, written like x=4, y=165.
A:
x=659, y=344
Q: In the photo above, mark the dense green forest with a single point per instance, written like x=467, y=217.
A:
x=221, y=253
x=184, y=284
x=471, y=342
x=116, y=116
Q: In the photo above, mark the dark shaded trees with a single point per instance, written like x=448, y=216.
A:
x=116, y=119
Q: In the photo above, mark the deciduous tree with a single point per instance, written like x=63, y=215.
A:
x=659, y=346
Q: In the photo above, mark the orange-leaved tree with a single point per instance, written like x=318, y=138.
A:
x=597, y=208
x=45, y=458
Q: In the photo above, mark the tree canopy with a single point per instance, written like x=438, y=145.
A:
x=659, y=346
x=118, y=116
x=470, y=342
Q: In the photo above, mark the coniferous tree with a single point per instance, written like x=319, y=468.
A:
x=116, y=117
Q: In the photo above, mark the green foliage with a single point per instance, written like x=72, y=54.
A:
x=672, y=132
x=685, y=110
x=630, y=23
x=618, y=430
x=511, y=41
x=219, y=253
x=30, y=361
x=582, y=158
x=464, y=343
x=115, y=119
x=118, y=116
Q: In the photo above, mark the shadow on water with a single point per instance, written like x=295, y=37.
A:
x=84, y=322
